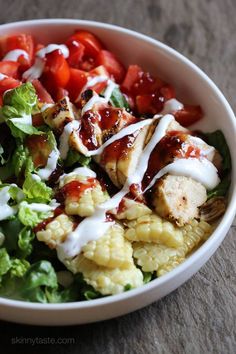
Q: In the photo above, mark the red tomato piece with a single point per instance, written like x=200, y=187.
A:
x=42, y=93
x=56, y=72
x=133, y=74
x=167, y=92
x=149, y=104
x=188, y=115
x=78, y=79
x=112, y=64
x=90, y=42
x=9, y=68
x=76, y=50
x=61, y=93
x=8, y=83
x=20, y=41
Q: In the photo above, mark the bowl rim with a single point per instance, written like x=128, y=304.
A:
x=205, y=248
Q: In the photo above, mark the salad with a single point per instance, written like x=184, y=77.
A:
x=103, y=186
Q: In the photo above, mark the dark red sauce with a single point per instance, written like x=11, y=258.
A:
x=42, y=225
x=75, y=189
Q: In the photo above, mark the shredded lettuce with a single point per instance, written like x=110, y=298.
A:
x=2, y=160
x=29, y=217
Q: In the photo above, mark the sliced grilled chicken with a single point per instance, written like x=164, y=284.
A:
x=59, y=114
x=120, y=158
x=177, y=198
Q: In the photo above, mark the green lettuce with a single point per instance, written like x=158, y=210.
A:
x=74, y=157
x=36, y=190
x=5, y=262
x=19, y=103
x=29, y=217
x=25, y=238
x=218, y=140
x=118, y=99
x=220, y=190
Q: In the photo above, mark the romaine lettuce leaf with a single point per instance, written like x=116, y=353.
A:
x=18, y=105
x=75, y=157
x=25, y=238
x=29, y=217
x=5, y=262
x=220, y=190
x=36, y=190
x=218, y=140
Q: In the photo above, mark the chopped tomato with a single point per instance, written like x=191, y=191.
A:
x=133, y=74
x=112, y=64
x=8, y=83
x=39, y=149
x=90, y=42
x=42, y=93
x=87, y=64
x=188, y=115
x=38, y=47
x=60, y=93
x=99, y=71
x=76, y=50
x=149, y=104
x=19, y=41
x=9, y=68
x=167, y=92
x=56, y=71
x=78, y=79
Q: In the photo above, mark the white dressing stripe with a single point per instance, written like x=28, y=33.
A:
x=44, y=173
x=35, y=71
x=13, y=55
x=202, y=171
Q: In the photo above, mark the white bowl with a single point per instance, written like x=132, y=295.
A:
x=192, y=86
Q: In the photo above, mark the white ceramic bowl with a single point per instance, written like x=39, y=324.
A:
x=192, y=86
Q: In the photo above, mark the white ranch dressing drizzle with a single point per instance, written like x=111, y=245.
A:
x=130, y=129
x=45, y=173
x=95, y=226
x=41, y=207
x=171, y=105
x=201, y=170
x=35, y=71
x=13, y=55
x=206, y=150
x=64, y=138
x=81, y=171
x=91, y=82
x=2, y=76
x=97, y=99
x=5, y=210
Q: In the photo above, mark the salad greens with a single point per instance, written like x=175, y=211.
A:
x=218, y=140
x=118, y=99
x=28, y=268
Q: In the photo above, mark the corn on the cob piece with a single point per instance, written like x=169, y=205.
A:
x=106, y=281
x=152, y=228
x=153, y=257
x=111, y=250
x=173, y=263
x=59, y=114
x=56, y=231
x=131, y=210
x=88, y=199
